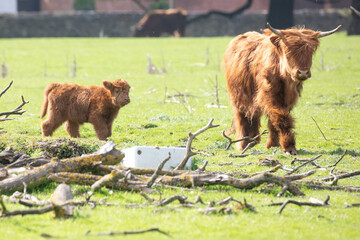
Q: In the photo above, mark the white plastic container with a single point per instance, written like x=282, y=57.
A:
x=151, y=157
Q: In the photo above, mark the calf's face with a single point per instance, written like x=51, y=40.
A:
x=119, y=90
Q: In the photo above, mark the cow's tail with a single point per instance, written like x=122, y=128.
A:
x=47, y=90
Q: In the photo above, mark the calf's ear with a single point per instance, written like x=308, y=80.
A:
x=108, y=85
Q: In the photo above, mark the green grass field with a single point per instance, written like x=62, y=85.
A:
x=331, y=97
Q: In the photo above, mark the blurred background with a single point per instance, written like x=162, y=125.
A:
x=117, y=18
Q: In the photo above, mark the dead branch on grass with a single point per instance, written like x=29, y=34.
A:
x=199, y=180
x=252, y=141
x=305, y=163
x=16, y=111
x=319, y=128
x=341, y=176
x=189, y=152
x=107, y=155
x=322, y=186
x=156, y=173
x=316, y=164
x=312, y=203
x=128, y=232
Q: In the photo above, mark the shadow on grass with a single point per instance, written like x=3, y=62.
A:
x=338, y=151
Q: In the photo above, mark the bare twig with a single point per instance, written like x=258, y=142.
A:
x=305, y=163
x=353, y=205
x=341, y=176
x=157, y=172
x=147, y=197
x=7, y=88
x=16, y=111
x=169, y=200
x=129, y=232
x=322, y=186
x=202, y=169
x=190, y=153
x=242, y=139
x=319, y=128
x=312, y=204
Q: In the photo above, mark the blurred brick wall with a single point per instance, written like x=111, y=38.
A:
x=121, y=6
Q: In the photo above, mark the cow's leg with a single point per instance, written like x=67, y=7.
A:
x=109, y=126
x=72, y=128
x=254, y=130
x=242, y=128
x=273, y=140
x=284, y=124
x=101, y=129
x=53, y=121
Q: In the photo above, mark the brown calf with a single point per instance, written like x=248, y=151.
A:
x=265, y=74
x=75, y=105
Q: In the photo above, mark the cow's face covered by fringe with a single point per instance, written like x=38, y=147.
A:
x=297, y=47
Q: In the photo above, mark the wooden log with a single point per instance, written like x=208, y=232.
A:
x=189, y=180
x=87, y=179
x=61, y=195
x=107, y=155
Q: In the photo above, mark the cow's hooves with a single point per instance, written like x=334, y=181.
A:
x=290, y=152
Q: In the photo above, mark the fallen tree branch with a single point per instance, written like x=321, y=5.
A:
x=87, y=179
x=107, y=155
x=317, y=203
x=173, y=198
x=7, y=213
x=17, y=111
x=156, y=173
x=319, y=128
x=190, y=180
x=321, y=186
x=7, y=88
x=128, y=232
x=341, y=176
x=305, y=163
x=242, y=139
x=190, y=153
x=317, y=165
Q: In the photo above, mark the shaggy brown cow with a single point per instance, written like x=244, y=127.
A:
x=265, y=74
x=98, y=105
x=153, y=24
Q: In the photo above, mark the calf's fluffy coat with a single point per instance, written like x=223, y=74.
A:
x=75, y=105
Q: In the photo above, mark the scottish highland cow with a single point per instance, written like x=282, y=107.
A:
x=75, y=105
x=265, y=74
x=155, y=23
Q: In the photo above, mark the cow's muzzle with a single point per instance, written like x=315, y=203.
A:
x=302, y=75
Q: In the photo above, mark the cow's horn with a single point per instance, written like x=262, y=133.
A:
x=355, y=11
x=274, y=30
x=324, y=34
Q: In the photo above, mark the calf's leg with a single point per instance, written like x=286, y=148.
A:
x=72, y=128
x=101, y=129
x=52, y=122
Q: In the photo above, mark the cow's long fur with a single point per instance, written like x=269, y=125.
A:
x=75, y=105
x=262, y=77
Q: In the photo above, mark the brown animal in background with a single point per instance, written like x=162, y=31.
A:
x=98, y=105
x=153, y=24
x=265, y=74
